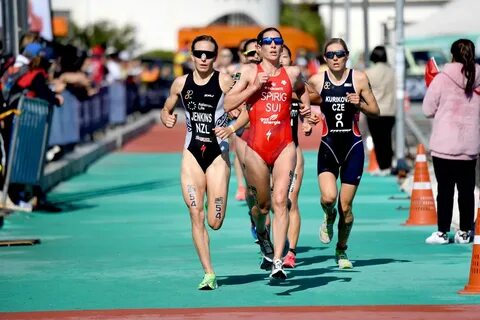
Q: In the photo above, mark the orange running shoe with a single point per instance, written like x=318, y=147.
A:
x=289, y=260
x=240, y=196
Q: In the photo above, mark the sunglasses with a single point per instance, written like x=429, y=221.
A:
x=268, y=40
x=208, y=54
x=338, y=53
x=250, y=53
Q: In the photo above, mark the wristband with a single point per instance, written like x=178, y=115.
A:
x=232, y=128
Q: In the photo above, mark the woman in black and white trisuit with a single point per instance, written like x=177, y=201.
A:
x=205, y=163
x=344, y=94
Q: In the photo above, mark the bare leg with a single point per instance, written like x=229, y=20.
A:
x=193, y=189
x=328, y=191
x=347, y=193
x=282, y=175
x=258, y=179
x=239, y=148
x=294, y=214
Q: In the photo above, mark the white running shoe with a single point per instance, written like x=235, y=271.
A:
x=277, y=270
x=342, y=259
x=462, y=237
x=437, y=238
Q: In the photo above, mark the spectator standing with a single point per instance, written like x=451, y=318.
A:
x=453, y=100
x=382, y=80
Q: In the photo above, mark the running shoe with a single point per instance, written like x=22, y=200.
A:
x=342, y=259
x=253, y=229
x=240, y=196
x=437, y=238
x=277, y=270
x=209, y=282
x=326, y=228
x=289, y=261
x=462, y=237
x=266, y=245
x=266, y=263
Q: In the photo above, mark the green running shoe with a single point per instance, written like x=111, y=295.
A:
x=342, y=259
x=209, y=282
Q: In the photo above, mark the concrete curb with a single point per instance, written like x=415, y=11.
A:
x=84, y=155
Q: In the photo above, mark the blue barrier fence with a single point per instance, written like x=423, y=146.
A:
x=29, y=142
x=76, y=121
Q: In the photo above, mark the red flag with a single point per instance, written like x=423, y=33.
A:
x=431, y=70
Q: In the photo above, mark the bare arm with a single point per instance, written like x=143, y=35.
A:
x=226, y=82
x=225, y=132
x=364, y=100
x=246, y=86
x=166, y=115
x=314, y=87
x=298, y=83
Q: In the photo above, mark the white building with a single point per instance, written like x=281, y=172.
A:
x=158, y=21
x=381, y=19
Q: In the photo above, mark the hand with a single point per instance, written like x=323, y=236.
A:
x=260, y=79
x=169, y=119
x=92, y=91
x=307, y=128
x=59, y=99
x=354, y=98
x=58, y=85
x=223, y=132
x=305, y=111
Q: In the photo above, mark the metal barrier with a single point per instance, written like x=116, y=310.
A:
x=118, y=103
x=29, y=143
x=94, y=114
x=66, y=122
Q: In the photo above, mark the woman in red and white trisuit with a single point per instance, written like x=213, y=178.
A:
x=267, y=90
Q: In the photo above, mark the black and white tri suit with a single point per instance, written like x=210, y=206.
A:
x=203, y=112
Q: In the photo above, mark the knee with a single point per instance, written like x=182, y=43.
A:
x=264, y=208
x=280, y=201
x=197, y=216
x=263, y=205
x=328, y=200
x=215, y=224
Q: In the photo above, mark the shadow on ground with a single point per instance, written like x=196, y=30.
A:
x=67, y=198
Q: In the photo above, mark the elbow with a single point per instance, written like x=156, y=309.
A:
x=428, y=111
x=228, y=106
x=429, y=114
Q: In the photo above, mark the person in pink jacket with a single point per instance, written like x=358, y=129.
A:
x=453, y=100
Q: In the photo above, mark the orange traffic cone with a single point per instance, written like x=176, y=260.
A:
x=372, y=161
x=473, y=286
x=422, y=204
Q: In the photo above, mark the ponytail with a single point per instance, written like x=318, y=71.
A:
x=463, y=51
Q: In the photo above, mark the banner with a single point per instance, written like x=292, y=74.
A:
x=40, y=18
